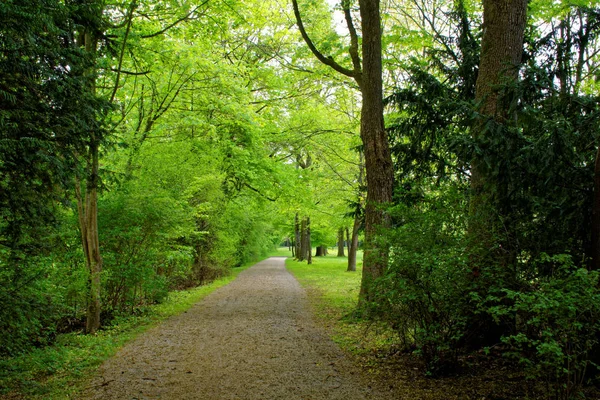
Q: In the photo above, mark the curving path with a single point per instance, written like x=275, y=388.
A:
x=252, y=339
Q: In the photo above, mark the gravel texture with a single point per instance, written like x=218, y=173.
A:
x=252, y=339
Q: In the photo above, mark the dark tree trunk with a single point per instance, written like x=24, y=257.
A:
x=353, y=243
x=501, y=51
x=297, y=237
x=378, y=160
x=87, y=209
x=340, y=252
x=301, y=255
x=490, y=252
x=308, y=245
x=321, y=251
x=596, y=215
x=348, y=240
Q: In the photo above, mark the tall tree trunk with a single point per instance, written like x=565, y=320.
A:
x=308, y=245
x=378, y=160
x=348, y=240
x=341, y=243
x=302, y=253
x=490, y=252
x=596, y=215
x=297, y=237
x=353, y=243
x=501, y=51
x=321, y=251
x=87, y=209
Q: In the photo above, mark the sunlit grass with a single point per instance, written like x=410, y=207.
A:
x=61, y=370
x=281, y=252
x=338, y=288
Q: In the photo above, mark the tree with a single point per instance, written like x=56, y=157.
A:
x=340, y=242
x=87, y=201
x=367, y=73
x=501, y=50
x=47, y=116
x=358, y=216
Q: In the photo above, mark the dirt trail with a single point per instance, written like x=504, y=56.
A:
x=252, y=339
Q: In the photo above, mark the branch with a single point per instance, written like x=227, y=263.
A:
x=184, y=18
x=127, y=30
x=259, y=192
x=353, y=42
x=130, y=72
x=325, y=60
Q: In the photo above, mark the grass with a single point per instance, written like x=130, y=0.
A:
x=337, y=288
x=281, y=252
x=61, y=370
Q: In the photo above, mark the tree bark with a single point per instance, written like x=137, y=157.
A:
x=340, y=252
x=353, y=243
x=348, y=240
x=302, y=253
x=297, y=237
x=87, y=210
x=308, y=245
x=378, y=160
x=596, y=215
x=321, y=251
x=501, y=51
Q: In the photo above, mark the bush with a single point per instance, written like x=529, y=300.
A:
x=557, y=327
x=424, y=293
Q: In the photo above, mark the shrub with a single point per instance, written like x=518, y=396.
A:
x=557, y=327
x=423, y=295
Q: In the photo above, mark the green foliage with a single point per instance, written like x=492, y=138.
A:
x=47, y=115
x=424, y=294
x=557, y=325
x=538, y=169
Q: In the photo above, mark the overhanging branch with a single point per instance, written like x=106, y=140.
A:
x=353, y=42
x=329, y=61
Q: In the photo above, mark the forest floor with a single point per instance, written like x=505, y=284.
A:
x=252, y=339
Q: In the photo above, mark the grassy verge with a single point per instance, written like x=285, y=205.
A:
x=61, y=370
x=334, y=295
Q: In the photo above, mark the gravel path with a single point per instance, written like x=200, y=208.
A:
x=252, y=339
